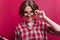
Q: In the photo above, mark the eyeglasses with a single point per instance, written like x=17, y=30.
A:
x=29, y=13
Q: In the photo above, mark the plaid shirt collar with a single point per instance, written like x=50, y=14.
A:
x=25, y=25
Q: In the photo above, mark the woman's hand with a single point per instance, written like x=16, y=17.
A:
x=39, y=13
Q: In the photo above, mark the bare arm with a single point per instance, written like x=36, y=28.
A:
x=54, y=25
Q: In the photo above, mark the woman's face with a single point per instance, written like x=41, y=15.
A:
x=28, y=13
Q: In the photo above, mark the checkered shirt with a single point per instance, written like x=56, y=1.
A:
x=36, y=32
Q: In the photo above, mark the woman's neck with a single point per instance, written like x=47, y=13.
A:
x=30, y=23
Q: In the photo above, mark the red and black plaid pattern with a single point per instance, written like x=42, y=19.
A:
x=36, y=32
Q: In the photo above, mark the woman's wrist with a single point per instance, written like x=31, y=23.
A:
x=45, y=17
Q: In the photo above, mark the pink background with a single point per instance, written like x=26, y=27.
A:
x=9, y=17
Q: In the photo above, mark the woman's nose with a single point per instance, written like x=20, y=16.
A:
x=29, y=14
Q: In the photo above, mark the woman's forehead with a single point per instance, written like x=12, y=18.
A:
x=28, y=8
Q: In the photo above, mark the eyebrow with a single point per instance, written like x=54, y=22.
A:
x=27, y=12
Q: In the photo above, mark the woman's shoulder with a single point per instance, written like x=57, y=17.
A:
x=21, y=24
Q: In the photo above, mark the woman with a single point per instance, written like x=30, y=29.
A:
x=32, y=29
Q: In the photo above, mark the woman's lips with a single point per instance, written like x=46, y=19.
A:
x=29, y=18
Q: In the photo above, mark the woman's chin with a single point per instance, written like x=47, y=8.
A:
x=29, y=19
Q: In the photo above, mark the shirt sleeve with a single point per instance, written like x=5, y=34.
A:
x=17, y=34
x=52, y=31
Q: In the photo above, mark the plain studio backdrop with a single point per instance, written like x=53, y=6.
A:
x=9, y=17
